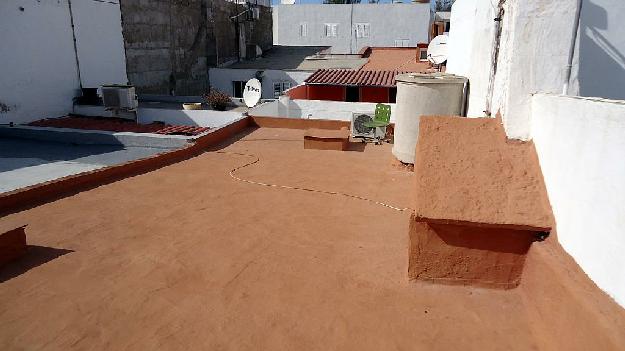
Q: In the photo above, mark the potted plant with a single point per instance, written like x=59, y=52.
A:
x=217, y=100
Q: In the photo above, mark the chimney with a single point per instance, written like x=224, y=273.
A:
x=421, y=54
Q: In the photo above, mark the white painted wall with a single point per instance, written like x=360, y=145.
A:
x=534, y=50
x=599, y=65
x=388, y=22
x=581, y=147
x=38, y=75
x=315, y=109
x=536, y=36
x=222, y=78
x=470, y=49
x=200, y=118
x=100, y=43
x=38, y=70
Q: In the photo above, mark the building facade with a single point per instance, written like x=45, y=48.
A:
x=347, y=28
x=171, y=45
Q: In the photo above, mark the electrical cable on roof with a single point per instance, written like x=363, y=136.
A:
x=328, y=192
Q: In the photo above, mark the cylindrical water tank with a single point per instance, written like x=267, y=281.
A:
x=419, y=95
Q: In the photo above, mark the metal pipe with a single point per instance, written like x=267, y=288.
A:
x=71, y=19
x=494, y=57
x=574, y=34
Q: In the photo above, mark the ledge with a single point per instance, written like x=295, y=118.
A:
x=468, y=173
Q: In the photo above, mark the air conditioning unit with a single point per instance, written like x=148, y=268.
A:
x=359, y=130
x=119, y=97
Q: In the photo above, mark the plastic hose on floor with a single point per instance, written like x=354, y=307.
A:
x=328, y=192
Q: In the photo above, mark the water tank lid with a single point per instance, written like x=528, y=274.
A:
x=430, y=78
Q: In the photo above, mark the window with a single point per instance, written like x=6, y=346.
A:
x=279, y=88
x=331, y=29
x=352, y=94
x=362, y=30
x=402, y=42
x=303, y=29
x=423, y=54
x=237, y=88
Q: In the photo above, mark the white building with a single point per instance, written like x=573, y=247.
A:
x=349, y=27
x=280, y=69
x=579, y=136
x=41, y=69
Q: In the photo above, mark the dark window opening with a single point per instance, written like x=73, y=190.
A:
x=392, y=95
x=237, y=88
x=352, y=94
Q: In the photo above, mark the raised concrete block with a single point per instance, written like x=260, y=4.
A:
x=12, y=245
x=480, y=203
x=324, y=139
x=466, y=255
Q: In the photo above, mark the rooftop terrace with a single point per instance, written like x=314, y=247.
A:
x=187, y=257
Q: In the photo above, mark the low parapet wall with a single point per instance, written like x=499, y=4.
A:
x=41, y=193
x=580, y=144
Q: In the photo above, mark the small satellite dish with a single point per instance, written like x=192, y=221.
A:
x=251, y=92
x=437, y=50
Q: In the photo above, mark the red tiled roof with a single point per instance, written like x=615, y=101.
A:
x=395, y=59
x=352, y=77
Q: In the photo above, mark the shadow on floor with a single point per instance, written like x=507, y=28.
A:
x=357, y=146
x=35, y=257
x=18, y=153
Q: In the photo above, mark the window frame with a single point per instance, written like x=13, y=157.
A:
x=303, y=29
x=363, y=30
x=282, y=86
x=334, y=30
x=404, y=43
x=234, y=89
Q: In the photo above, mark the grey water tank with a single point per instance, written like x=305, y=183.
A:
x=420, y=95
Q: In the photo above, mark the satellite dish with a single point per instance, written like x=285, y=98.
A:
x=251, y=92
x=437, y=50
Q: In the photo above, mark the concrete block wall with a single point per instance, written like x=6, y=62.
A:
x=170, y=45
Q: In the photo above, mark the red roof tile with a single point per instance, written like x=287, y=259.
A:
x=351, y=77
x=395, y=59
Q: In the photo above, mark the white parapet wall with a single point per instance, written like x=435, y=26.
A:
x=200, y=118
x=315, y=109
x=581, y=147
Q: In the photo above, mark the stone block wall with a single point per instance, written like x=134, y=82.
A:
x=171, y=44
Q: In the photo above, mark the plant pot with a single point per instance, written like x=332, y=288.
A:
x=192, y=106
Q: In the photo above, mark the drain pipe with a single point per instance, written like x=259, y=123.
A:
x=71, y=19
x=569, y=64
x=494, y=57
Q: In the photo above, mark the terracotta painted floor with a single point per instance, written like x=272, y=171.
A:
x=187, y=258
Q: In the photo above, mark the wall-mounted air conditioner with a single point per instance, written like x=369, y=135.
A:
x=121, y=100
x=119, y=97
x=359, y=130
